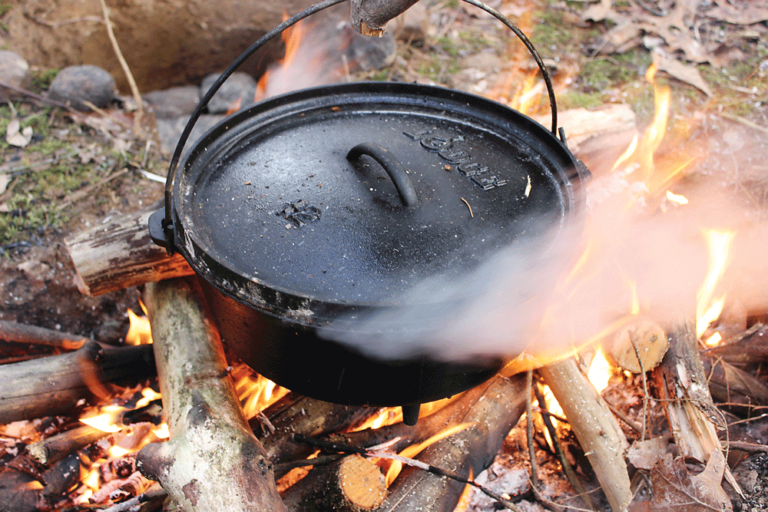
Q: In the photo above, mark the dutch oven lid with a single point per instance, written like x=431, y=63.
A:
x=300, y=200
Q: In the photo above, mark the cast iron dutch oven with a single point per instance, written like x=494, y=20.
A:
x=308, y=211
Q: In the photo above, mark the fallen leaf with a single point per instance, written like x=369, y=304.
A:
x=17, y=138
x=598, y=12
x=748, y=14
x=676, y=490
x=645, y=454
x=682, y=72
x=4, y=181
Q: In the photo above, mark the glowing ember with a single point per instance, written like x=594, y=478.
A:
x=162, y=431
x=107, y=420
x=139, y=332
x=708, y=308
x=149, y=395
x=675, y=198
x=599, y=371
x=116, y=452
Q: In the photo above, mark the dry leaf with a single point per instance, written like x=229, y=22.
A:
x=645, y=454
x=746, y=14
x=676, y=490
x=17, y=138
x=682, y=72
x=598, y=12
x=4, y=181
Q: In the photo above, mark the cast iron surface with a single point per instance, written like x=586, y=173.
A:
x=274, y=213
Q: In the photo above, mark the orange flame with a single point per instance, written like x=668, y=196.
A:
x=254, y=391
x=599, y=371
x=292, y=38
x=106, y=420
x=139, y=332
x=708, y=308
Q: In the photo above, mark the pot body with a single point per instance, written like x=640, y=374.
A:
x=275, y=289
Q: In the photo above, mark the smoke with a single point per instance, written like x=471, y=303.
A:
x=548, y=301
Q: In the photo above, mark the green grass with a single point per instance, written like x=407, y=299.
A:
x=42, y=78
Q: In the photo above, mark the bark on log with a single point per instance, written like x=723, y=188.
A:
x=599, y=434
x=296, y=414
x=121, y=254
x=212, y=460
x=352, y=484
x=53, y=385
x=681, y=384
x=14, y=332
x=370, y=17
x=469, y=451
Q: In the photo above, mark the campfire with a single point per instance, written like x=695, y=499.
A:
x=639, y=367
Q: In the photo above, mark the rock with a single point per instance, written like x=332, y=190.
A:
x=169, y=131
x=370, y=53
x=77, y=84
x=173, y=102
x=239, y=85
x=13, y=71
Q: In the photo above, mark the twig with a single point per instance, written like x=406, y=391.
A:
x=37, y=97
x=349, y=449
x=567, y=468
x=745, y=122
x=33, y=335
x=623, y=417
x=155, y=492
x=472, y=215
x=747, y=447
x=76, y=196
x=529, y=427
x=126, y=69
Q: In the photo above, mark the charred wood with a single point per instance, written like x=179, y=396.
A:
x=212, y=460
x=595, y=427
x=14, y=332
x=750, y=347
x=54, y=448
x=54, y=385
x=469, y=451
x=121, y=254
x=296, y=414
x=352, y=484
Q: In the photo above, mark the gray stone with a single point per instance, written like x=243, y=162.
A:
x=237, y=86
x=370, y=53
x=76, y=85
x=13, y=71
x=173, y=102
x=169, y=131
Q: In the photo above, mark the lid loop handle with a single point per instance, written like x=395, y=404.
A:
x=392, y=165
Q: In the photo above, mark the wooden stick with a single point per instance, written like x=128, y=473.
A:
x=351, y=484
x=33, y=335
x=680, y=382
x=121, y=254
x=296, y=414
x=591, y=420
x=212, y=460
x=469, y=451
x=54, y=385
x=54, y=448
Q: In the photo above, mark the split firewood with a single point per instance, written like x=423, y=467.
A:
x=735, y=388
x=642, y=337
x=55, y=384
x=54, y=448
x=599, y=434
x=120, y=254
x=467, y=452
x=296, y=414
x=681, y=384
x=14, y=332
x=352, y=484
x=212, y=460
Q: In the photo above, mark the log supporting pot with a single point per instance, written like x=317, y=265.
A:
x=307, y=211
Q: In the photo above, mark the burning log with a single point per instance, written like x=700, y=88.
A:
x=749, y=347
x=469, y=451
x=212, y=460
x=120, y=254
x=681, y=384
x=54, y=385
x=295, y=414
x=32, y=335
x=350, y=484
x=595, y=427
